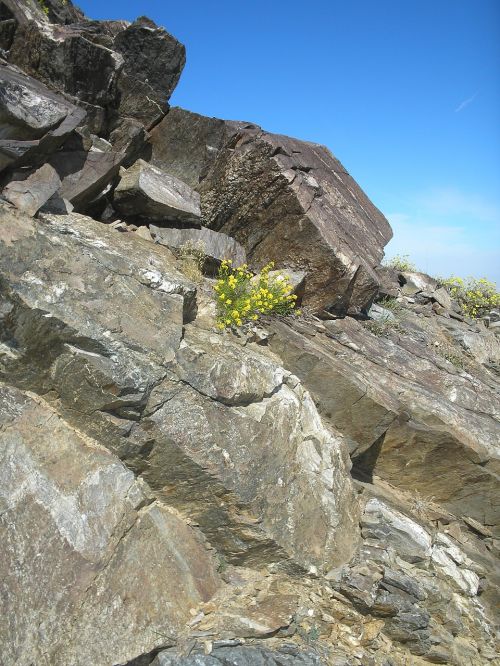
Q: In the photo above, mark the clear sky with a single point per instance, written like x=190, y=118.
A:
x=406, y=93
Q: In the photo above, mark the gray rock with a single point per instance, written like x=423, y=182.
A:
x=390, y=398
x=148, y=192
x=129, y=139
x=82, y=540
x=239, y=656
x=84, y=174
x=408, y=539
x=56, y=341
x=30, y=194
x=152, y=64
x=442, y=297
x=234, y=422
x=414, y=282
x=214, y=245
x=34, y=120
x=379, y=313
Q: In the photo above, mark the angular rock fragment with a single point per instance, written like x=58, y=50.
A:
x=213, y=244
x=409, y=540
x=129, y=138
x=82, y=540
x=149, y=192
x=152, y=64
x=30, y=194
x=84, y=174
x=34, y=120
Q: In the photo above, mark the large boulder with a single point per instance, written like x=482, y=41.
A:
x=148, y=192
x=271, y=191
x=185, y=144
x=84, y=545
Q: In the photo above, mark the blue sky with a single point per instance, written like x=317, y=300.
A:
x=406, y=93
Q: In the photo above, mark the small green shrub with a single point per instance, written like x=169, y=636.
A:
x=43, y=7
x=453, y=357
x=476, y=296
x=401, y=262
x=243, y=297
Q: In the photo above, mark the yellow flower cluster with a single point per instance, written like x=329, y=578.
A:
x=476, y=297
x=243, y=297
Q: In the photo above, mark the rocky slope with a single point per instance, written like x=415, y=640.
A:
x=313, y=490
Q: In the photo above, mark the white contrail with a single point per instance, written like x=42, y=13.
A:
x=466, y=102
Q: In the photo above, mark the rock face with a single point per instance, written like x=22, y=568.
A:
x=67, y=500
x=270, y=191
x=298, y=492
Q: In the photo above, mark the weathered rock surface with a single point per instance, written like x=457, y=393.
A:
x=170, y=494
x=271, y=191
x=152, y=64
x=84, y=174
x=146, y=191
x=391, y=399
x=34, y=120
x=30, y=194
x=185, y=144
x=118, y=559
x=267, y=191
x=121, y=372
x=239, y=656
x=117, y=69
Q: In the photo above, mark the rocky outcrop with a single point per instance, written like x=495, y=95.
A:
x=393, y=397
x=313, y=489
x=35, y=121
x=116, y=69
x=271, y=191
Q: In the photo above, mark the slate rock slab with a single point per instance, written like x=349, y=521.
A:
x=31, y=194
x=149, y=192
x=214, y=245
